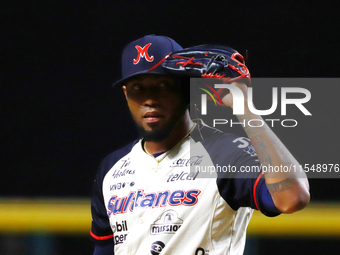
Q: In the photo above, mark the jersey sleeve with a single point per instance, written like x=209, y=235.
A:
x=245, y=185
x=101, y=232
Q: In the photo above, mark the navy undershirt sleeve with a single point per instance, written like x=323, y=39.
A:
x=266, y=203
x=103, y=250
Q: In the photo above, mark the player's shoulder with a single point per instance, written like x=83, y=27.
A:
x=211, y=136
x=111, y=159
x=203, y=132
x=222, y=145
x=229, y=144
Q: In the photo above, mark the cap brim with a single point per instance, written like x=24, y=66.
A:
x=121, y=82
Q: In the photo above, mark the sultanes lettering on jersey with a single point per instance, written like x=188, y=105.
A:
x=135, y=199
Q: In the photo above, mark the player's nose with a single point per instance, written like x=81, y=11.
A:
x=150, y=101
x=151, y=97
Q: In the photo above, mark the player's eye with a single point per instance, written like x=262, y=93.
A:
x=136, y=87
x=165, y=84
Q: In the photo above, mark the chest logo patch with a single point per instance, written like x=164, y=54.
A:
x=167, y=223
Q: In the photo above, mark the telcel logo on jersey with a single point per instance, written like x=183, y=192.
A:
x=238, y=105
x=167, y=223
x=189, y=176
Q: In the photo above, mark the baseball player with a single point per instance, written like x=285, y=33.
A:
x=151, y=197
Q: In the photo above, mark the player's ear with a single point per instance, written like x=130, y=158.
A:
x=124, y=90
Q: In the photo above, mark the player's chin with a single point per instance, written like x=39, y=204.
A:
x=154, y=132
x=153, y=128
x=154, y=136
x=149, y=128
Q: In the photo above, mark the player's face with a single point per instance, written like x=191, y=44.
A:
x=156, y=104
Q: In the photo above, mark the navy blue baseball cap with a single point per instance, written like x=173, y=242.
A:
x=145, y=56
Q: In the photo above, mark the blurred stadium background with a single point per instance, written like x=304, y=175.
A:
x=60, y=116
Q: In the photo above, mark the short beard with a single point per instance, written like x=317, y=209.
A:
x=156, y=136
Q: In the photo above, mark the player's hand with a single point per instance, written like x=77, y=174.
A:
x=227, y=100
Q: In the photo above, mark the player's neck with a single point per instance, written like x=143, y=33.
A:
x=179, y=132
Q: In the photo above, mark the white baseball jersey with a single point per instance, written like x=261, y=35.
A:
x=176, y=207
